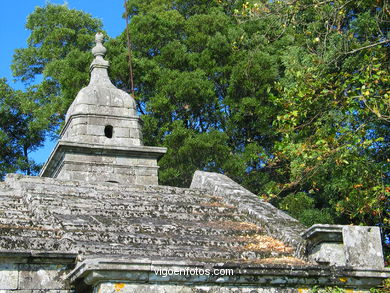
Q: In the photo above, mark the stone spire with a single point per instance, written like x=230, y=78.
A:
x=106, y=103
x=102, y=136
x=99, y=66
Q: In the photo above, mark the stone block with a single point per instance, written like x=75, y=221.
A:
x=98, y=120
x=8, y=276
x=83, y=158
x=79, y=120
x=363, y=246
x=63, y=175
x=108, y=159
x=121, y=132
x=78, y=129
x=188, y=288
x=146, y=180
x=134, y=123
x=126, y=141
x=143, y=288
x=95, y=130
x=125, y=161
x=76, y=167
x=87, y=138
x=356, y=246
x=135, y=133
x=148, y=162
x=102, y=169
x=331, y=253
x=135, y=141
x=124, y=170
x=43, y=277
x=124, y=179
x=146, y=171
x=79, y=176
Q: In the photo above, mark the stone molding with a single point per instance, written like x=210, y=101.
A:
x=57, y=162
x=93, y=272
x=87, y=148
x=31, y=257
x=26, y=272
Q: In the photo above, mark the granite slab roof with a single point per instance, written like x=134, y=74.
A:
x=111, y=220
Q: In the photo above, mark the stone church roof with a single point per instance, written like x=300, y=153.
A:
x=106, y=220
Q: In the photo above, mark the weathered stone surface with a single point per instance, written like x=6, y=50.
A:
x=136, y=220
x=324, y=233
x=34, y=276
x=8, y=276
x=329, y=253
x=325, y=244
x=160, y=223
x=99, y=163
x=276, y=222
x=158, y=288
x=35, y=272
x=187, y=275
x=37, y=291
x=356, y=246
x=363, y=246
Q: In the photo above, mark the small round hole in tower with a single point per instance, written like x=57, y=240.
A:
x=108, y=131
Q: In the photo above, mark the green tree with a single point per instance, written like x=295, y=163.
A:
x=55, y=63
x=54, y=67
x=300, y=90
x=188, y=68
x=20, y=133
x=180, y=53
x=335, y=120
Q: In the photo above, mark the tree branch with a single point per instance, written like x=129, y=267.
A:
x=366, y=47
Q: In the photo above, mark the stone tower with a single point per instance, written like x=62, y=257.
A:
x=102, y=137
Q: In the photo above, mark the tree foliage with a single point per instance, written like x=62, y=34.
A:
x=299, y=92
x=55, y=63
x=19, y=132
x=53, y=66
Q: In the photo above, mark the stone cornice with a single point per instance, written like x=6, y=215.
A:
x=94, y=271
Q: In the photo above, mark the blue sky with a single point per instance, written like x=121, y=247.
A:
x=13, y=35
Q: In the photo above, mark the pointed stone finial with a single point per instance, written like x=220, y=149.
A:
x=99, y=49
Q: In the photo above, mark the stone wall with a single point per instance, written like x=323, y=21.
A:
x=29, y=278
x=99, y=163
x=126, y=131
x=106, y=168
